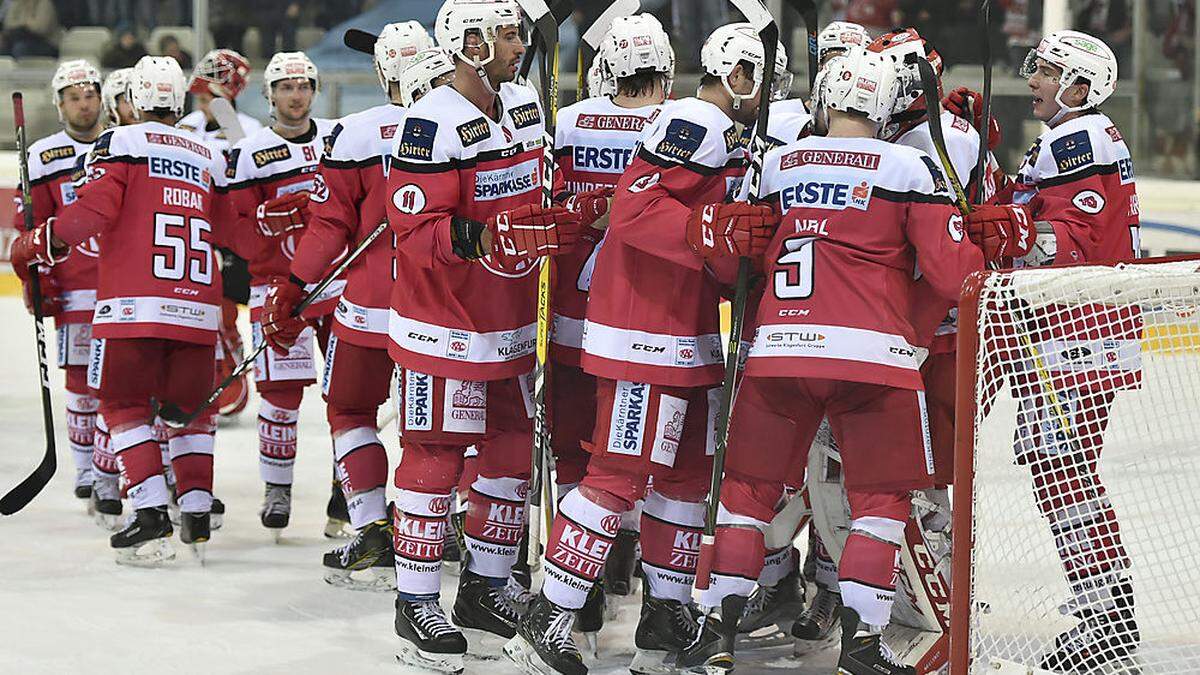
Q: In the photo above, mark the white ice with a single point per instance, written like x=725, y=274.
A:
x=256, y=607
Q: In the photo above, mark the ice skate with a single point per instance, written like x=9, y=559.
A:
x=479, y=605
x=622, y=558
x=452, y=546
x=195, y=530
x=83, y=483
x=216, y=514
x=146, y=542
x=712, y=651
x=864, y=652
x=1103, y=635
x=105, y=503
x=520, y=569
x=365, y=563
x=427, y=640
x=815, y=627
x=337, y=523
x=590, y=618
x=771, y=612
x=276, y=508
x=665, y=628
x=543, y=644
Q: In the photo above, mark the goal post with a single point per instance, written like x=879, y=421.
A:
x=1076, y=520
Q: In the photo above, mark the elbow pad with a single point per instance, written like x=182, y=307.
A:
x=466, y=238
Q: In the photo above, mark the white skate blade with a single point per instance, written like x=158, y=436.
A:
x=526, y=657
x=337, y=529
x=199, y=551
x=612, y=607
x=591, y=645
x=767, y=636
x=372, y=579
x=276, y=534
x=153, y=553
x=653, y=662
x=1006, y=667
x=439, y=663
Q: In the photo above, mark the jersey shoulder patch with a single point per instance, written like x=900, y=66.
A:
x=416, y=141
x=275, y=153
x=232, y=163
x=1073, y=151
x=935, y=174
x=525, y=115
x=56, y=153
x=681, y=140
x=472, y=132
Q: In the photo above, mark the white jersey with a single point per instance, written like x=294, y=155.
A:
x=211, y=132
x=788, y=121
x=595, y=140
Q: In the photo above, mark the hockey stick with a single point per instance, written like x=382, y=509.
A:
x=589, y=46
x=26, y=490
x=541, y=498
x=807, y=9
x=223, y=112
x=175, y=416
x=985, y=121
x=768, y=32
x=360, y=40
x=560, y=9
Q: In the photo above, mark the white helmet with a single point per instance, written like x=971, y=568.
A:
x=395, y=49
x=1080, y=56
x=635, y=44
x=736, y=42
x=289, y=66
x=458, y=18
x=116, y=84
x=599, y=82
x=157, y=82
x=74, y=72
x=858, y=81
x=839, y=35
x=422, y=72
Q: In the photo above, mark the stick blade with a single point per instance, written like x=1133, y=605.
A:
x=360, y=40
x=223, y=112
x=20, y=496
x=173, y=415
x=756, y=13
x=620, y=8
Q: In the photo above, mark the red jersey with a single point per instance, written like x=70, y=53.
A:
x=152, y=194
x=454, y=318
x=355, y=176
x=859, y=214
x=595, y=141
x=54, y=164
x=263, y=166
x=652, y=310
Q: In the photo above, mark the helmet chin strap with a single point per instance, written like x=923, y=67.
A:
x=479, y=68
x=1063, y=108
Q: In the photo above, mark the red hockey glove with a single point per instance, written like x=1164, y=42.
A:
x=1001, y=231
x=737, y=229
x=533, y=231
x=280, y=327
x=968, y=105
x=52, y=302
x=282, y=214
x=36, y=247
x=590, y=206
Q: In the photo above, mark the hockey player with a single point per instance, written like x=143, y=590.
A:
x=224, y=73
x=69, y=289
x=358, y=369
x=152, y=195
x=115, y=98
x=831, y=340
x=466, y=207
x=1074, y=200
x=273, y=177
x=596, y=139
x=652, y=340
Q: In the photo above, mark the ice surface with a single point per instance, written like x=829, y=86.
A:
x=257, y=607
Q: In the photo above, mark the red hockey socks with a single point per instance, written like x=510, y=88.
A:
x=140, y=461
x=420, y=535
x=869, y=566
x=276, y=443
x=578, y=546
x=362, y=469
x=192, y=460
x=671, y=545
x=81, y=433
x=495, y=522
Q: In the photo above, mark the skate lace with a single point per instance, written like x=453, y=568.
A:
x=513, y=598
x=430, y=619
x=823, y=606
x=558, y=633
x=345, y=551
x=758, y=601
x=277, y=500
x=684, y=622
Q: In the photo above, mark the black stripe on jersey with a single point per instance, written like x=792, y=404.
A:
x=51, y=176
x=701, y=169
x=1087, y=172
x=908, y=197
x=402, y=164
x=298, y=171
x=120, y=159
x=351, y=163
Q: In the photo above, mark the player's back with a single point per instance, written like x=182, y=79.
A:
x=857, y=212
x=156, y=187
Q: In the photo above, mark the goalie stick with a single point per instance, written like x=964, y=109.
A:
x=226, y=117
x=541, y=497
x=589, y=45
x=26, y=490
x=177, y=418
x=758, y=16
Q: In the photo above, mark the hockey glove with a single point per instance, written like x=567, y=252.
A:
x=590, y=206
x=51, y=292
x=737, y=229
x=282, y=214
x=280, y=325
x=533, y=232
x=968, y=105
x=36, y=247
x=1005, y=231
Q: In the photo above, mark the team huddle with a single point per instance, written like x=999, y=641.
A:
x=405, y=242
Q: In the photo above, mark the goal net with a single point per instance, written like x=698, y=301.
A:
x=1077, y=476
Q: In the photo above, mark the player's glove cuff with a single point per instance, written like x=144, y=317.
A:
x=466, y=238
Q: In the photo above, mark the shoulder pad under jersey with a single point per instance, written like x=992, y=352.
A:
x=694, y=133
x=1078, y=147
x=358, y=137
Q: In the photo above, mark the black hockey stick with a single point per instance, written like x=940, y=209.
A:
x=807, y=9
x=360, y=40
x=560, y=10
x=985, y=121
x=756, y=13
x=26, y=490
x=175, y=416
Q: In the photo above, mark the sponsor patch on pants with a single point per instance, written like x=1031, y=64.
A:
x=464, y=409
x=95, y=371
x=418, y=401
x=627, y=424
x=668, y=430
